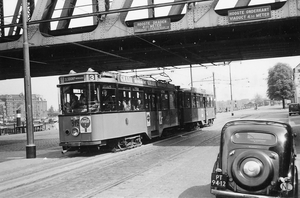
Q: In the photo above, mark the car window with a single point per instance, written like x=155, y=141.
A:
x=254, y=138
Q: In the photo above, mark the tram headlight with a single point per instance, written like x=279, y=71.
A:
x=75, y=132
x=67, y=132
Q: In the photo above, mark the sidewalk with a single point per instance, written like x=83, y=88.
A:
x=244, y=112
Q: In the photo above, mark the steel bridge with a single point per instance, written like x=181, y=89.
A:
x=177, y=32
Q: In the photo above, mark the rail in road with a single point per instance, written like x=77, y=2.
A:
x=176, y=167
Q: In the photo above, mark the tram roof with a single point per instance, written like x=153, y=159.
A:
x=109, y=77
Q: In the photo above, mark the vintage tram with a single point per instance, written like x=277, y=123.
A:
x=118, y=111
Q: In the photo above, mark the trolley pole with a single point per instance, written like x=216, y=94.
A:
x=30, y=147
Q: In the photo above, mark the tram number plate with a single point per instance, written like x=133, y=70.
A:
x=219, y=180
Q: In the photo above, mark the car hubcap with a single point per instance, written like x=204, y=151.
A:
x=252, y=168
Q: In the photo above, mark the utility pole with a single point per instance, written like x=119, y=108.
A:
x=215, y=97
x=30, y=147
x=191, y=73
x=230, y=83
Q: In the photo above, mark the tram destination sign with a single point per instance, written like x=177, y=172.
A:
x=248, y=14
x=72, y=79
x=152, y=25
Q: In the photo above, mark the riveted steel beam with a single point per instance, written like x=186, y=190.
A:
x=67, y=10
x=2, y=34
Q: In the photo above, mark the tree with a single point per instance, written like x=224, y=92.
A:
x=52, y=112
x=280, y=83
x=258, y=99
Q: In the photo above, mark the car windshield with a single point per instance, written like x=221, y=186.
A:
x=254, y=138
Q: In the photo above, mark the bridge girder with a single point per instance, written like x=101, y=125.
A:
x=200, y=36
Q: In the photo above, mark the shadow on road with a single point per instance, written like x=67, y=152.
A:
x=196, y=192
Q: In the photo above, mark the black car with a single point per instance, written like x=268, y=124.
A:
x=256, y=159
x=294, y=108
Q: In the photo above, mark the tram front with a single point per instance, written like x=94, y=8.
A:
x=79, y=99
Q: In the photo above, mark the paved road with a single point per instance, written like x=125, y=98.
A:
x=178, y=167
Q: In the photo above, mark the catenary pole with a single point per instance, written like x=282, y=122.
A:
x=231, y=100
x=30, y=147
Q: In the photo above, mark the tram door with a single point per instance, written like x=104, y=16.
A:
x=155, y=118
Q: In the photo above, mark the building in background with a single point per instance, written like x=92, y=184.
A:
x=11, y=103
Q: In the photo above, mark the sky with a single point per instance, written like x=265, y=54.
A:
x=248, y=77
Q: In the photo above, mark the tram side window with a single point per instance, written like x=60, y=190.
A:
x=181, y=100
x=108, y=98
x=205, y=101
x=198, y=101
x=210, y=102
x=194, y=101
x=187, y=100
x=201, y=101
x=137, y=99
x=147, y=101
x=164, y=101
x=124, y=99
x=158, y=100
x=153, y=102
x=172, y=100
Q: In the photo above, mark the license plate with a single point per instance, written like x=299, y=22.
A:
x=219, y=180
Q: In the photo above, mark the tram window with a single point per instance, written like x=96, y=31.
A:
x=180, y=100
x=201, y=101
x=108, y=98
x=73, y=98
x=137, y=99
x=124, y=98
x=147, y=101
x=194, y=101
x=172, y=100
x=93, y=98
x=164, y=101
x=187, y=100
x=153, y=102
x=158, y=100
x=198, y=101
x=204, y=102
x=208, y=102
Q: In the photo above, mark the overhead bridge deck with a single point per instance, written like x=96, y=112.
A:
x=192, y=32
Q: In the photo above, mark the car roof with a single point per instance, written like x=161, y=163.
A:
x=257, y=125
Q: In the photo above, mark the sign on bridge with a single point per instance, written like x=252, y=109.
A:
x=249, y=14
x=152, y=25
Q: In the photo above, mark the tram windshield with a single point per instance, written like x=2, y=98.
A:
x=79, y=98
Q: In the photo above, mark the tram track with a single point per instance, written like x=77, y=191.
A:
x=97, y=191
x=126, y=164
